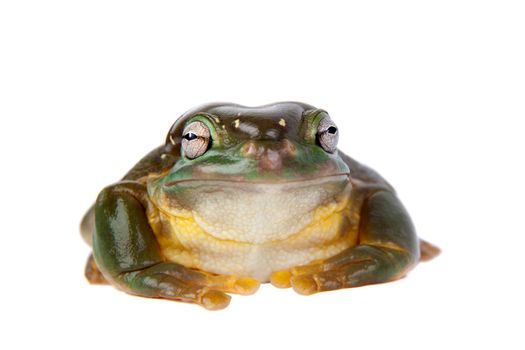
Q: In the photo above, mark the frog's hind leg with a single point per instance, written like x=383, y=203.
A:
x=87, y=229
x=428, y=250
x=92, y=273
x=87, y=225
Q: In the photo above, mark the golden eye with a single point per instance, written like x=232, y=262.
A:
x=327, y=135
x=195, y=139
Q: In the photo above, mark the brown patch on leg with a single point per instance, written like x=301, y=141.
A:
x=92, y=273
x=428, y=251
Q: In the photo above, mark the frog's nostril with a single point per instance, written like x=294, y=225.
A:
x=271, y=160
x=287, y=148
x=269, y=155
x=251, y=149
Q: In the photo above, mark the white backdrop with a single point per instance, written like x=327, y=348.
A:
x=430, y=94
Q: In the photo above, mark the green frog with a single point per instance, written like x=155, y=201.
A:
x=238, y=196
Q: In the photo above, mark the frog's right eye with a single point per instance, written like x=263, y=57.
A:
x=327, y=135
x=196, y=139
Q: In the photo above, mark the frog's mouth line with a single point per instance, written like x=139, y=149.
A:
x=316, y=180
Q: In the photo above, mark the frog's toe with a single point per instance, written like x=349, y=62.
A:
x=305, y=285
x=215, y=300
x=281, y=279
x=246, y=286
x=307, y=279
x=290, y=278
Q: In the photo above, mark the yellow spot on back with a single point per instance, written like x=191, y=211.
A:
x=217, y=120
x=171, y=140
x=282, y=122
x=236, y=123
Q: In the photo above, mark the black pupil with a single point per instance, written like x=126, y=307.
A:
x=190, y=136
x=332, y=130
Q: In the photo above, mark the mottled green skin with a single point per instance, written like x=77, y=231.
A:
x=129, y=257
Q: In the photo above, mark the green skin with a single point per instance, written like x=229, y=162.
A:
x=126, y=252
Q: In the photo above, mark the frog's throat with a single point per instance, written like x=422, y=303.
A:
x=256, y=214
x=325, y=220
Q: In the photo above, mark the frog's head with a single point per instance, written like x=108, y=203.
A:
x=281, y=142
x=233, y=162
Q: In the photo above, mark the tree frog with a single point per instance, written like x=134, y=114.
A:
x=238, y=196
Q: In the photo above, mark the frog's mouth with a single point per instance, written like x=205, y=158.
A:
x=319, y=180
x=253, y=211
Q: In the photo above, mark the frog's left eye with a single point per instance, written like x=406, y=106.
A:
x=195, y=139
x=327, y=135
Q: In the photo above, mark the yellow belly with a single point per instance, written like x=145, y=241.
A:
x=333, y=228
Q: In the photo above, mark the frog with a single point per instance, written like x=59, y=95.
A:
x=237, y=196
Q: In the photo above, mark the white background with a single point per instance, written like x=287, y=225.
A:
x=429, y=93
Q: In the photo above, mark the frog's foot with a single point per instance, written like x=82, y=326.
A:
x=92, y=273
x=354, y=267
x=176, y=282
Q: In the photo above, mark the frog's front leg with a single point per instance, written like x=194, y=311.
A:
x=128, y=255
x=388, y=247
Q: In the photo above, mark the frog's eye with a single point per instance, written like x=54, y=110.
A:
x=327, y=135
x=195, y=139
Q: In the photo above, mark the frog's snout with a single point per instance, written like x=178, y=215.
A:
x=269, y=154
